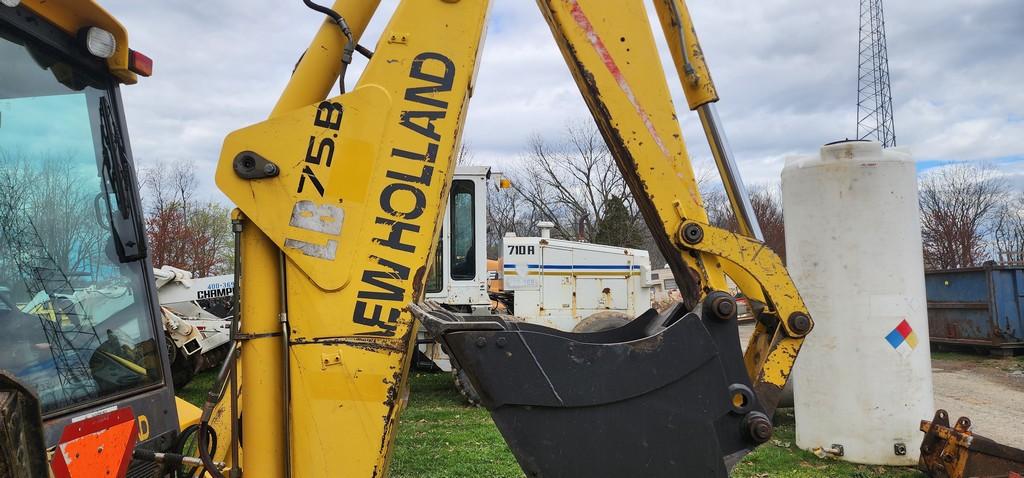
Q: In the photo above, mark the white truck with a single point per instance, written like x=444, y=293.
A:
x=196, y=334
x=569, y=285
x=575, y=286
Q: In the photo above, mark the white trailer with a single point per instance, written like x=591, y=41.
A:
x=198, y=335
x=567, y=285
x=575, y=286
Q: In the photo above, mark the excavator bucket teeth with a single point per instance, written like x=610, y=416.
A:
x=660, y=385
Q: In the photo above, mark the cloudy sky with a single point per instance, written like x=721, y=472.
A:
x=786, y=71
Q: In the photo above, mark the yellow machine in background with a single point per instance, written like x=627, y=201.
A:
x=340, y=197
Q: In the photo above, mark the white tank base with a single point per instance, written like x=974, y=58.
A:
x=853, y=241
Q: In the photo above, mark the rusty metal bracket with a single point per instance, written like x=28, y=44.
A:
x=959, y=453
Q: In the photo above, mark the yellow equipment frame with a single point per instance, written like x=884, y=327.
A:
x=340, y=199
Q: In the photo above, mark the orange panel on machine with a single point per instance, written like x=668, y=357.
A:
x=97, y=447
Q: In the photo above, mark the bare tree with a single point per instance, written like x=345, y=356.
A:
x=1008, y=231
x=465, y=155
x=716, y=203
x=572, y=183
x=182, y=231
x=767, y=204
x=766, y=201
x=49, y=192
x=960, y=206
x=508, y=212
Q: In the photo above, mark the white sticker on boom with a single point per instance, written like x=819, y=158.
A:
x=321, y=218
x=322, y=251
x=325, y=218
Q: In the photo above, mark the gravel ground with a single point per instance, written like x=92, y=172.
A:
x=989, y=391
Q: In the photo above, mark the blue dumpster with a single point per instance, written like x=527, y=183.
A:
x=977, y=306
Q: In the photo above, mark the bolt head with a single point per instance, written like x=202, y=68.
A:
x=693, y=234
x=760, y=428
x=501, y=342
x=724, y=307
x=800, y=323
x=481, y=342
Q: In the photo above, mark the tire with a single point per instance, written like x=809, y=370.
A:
x=465, y=387
x=601, y=321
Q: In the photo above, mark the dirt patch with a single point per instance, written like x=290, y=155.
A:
x=988, y=391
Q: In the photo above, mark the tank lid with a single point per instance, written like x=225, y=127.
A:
x=848, y=140
x=847, y=150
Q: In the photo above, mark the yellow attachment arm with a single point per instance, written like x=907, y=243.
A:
x=610, y=49
x=351, y=189
x=686, y=52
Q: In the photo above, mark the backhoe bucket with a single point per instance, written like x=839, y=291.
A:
x=665, y=395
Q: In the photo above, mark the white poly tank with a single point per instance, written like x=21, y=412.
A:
x=853, y=246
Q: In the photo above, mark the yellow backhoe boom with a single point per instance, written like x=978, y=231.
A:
x=340, y=197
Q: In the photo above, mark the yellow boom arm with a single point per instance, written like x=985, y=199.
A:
x=340, y=199
x=349, y=191
x=611, y=52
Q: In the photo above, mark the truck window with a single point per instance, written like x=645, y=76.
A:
x=436, y=274
x=463, y=231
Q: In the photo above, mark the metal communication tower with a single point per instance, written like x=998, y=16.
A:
x=874, y=98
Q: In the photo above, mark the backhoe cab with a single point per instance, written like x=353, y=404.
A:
x=80, y=338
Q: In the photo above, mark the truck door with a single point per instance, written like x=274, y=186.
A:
x=557, y=295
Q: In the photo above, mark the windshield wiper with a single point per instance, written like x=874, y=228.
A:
x=117, y=176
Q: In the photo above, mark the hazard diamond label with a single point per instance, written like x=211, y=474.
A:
x=903, y=339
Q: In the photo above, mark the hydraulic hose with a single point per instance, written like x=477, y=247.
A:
x=350, y=44
x=213, y=397
x=225, y=376
x=204, y=437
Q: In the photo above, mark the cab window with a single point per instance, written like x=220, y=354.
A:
x=436, y=276
x=76, y=320
x=463, y=229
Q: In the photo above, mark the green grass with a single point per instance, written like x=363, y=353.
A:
x=440, y=436
x=196, y=390
x=961, y=356
x=780, y=458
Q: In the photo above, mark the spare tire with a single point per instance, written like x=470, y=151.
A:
x=600, y=321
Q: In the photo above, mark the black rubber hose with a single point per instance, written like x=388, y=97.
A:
x=179, y=447
x=350, y=44
x=204, y=450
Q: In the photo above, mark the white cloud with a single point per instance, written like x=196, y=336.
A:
x=786, y=72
